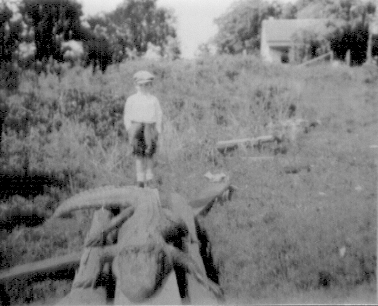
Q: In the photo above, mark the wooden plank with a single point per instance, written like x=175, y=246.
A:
x=51, y=265
x=316, y=59
x=197, y=293
x=226, y=145
x=42, y=267
x=205, y=199
x=90, y=266
x=82, y=291
x=138, y=231
x=83, y=288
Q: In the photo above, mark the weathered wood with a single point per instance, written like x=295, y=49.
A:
x=143, y=260
x=90, y=267
x=96, y=198
x=43, y=267
x=206, y=198
x=296, y=169
x=137, y=232
x=83, y=288
x=144, y=230
x=197, y=294
x=97, y=235
x=51, y=265
x=317, y=59
x=229, y=145
x=188, y=211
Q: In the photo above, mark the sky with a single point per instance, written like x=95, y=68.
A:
x=195, y=18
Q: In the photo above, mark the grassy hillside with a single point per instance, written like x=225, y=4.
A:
x=284, y=233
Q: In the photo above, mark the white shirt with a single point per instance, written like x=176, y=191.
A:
x=143, y=108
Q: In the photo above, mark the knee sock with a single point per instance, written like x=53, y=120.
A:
x=139, y=170
x=149, y=166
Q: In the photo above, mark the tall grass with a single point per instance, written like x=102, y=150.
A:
x=283, y=233
x=286, y=232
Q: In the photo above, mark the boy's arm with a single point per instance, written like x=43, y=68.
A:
x=159, y=117
x=126, y=115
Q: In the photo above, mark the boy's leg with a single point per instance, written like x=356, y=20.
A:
x=147, y=138
x=139, y=167
x=149, y=167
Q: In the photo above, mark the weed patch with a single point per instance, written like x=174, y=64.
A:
x=302, y=221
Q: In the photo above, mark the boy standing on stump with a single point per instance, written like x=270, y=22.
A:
x=143, y=122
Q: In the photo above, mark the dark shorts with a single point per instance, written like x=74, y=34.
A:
x=140, y=146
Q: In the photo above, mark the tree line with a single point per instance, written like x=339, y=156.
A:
x=42, y=34
x=348, y=25
x=35, y=34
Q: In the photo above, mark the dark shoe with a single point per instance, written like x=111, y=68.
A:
x=140, y=184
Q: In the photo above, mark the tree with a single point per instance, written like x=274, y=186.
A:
x=310, y=43
x=141, y=22
x=53, y=21
x=10, y=35
x=99, y=53
x=348, y=24
x=352, y=32
x=56, y=21
x=108, y=38
x=239, y=29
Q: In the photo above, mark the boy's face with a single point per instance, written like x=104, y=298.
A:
x=144, y=87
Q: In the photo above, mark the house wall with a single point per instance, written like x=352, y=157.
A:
x=276, y=35
x=264, y=47
x=272, y=52
x=276, y=54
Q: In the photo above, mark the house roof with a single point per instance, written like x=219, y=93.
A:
x=280, y=31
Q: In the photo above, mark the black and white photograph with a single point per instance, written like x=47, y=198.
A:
x=188, y=152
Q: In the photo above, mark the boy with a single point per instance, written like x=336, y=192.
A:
x=143, y=122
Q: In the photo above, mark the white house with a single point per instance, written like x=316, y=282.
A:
x=277, y=45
